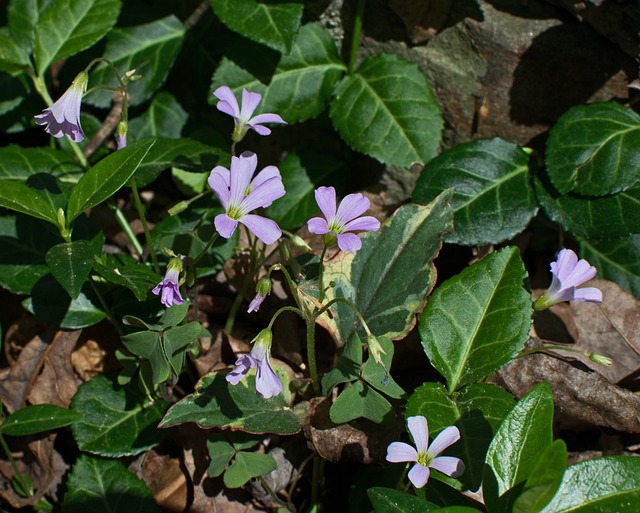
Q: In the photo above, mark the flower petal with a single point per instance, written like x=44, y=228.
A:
x=228, y=103
x=564, y=264
x=263, y=195
x=582, y=272
x=267, y=173
x=249, y=103
x=218, y=180
x=268, y=383
x=318, y=225
x=240, y=178
x=243, y=364
x=398, y=452
x=447, y=436
x=352, y=206
x=326, y=199
x=259, y=129
x=591, y=294
x=251, y=158
x=449, y=465
x=349, y=242
x=225, y=226
x=254, y=306
x=265, y=229
x=366, y=223
x=419, y=475
x=419, y=429
x=266, y=118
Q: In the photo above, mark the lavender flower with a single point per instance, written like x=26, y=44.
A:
x=569, y=273
x=63, y=117
x=240, y=195
x=339, y=221
x=268, y=384
x=169, y=286
x=242, y=116
x=426, y=456
x=263, y=289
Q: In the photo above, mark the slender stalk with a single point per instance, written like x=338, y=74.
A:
x=204, y=250
x=399, y=485
x=16, y=472
x=315, y=480
x=105, y=307
x=145, y=226
x=234, y=309
x=126, y=228
x=355, y=36
x=321, y=275
x=282, y=310
x=311, y=356
x=273, y=495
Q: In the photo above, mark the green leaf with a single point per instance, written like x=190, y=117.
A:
x=608, y=217
x=105, y=486
x=493, y=198
x=216, y=403
x=66, y=27
x=17, y=163
x=24, y=241
x=389, y=278
x=125, y=271
x=348, y=368
x=13, y=57
x=544, y=480
x=478, y=410
x=386, y=110
x=360, y=400
x=246, y=466
x=302, y=173
x=165, y=117
x=388, y=500
x=51, y=303
x=22, y=17
x=150, y=49
x=301, y=83
x=22, y=198
x=378, y=376
x=116, y=421
x=617, y=260
x=36, y=419
x=599, y=485
x=105, y=178
x=220, y=454
x=512, y=455
x=70, y=264
x=593, y=149
x=272, y=23
x=479, y=320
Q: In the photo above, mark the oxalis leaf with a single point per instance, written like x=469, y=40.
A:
x=389, y=278
x=387, y=111
x=105, y=486
x=272, y=23
x=593, y=149
x=479, y=320
x=601, y=484
x=116, y=421
x=493, y=196
x=217, y=403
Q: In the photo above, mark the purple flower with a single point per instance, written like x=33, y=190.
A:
x=242, y=116
x=169, y=286
x=263, y=289
x=256, y=302
x=268, y=383
x=240, y=195
x=341, y=220
x=426, y=456
x=569, y=273
x=63, y=117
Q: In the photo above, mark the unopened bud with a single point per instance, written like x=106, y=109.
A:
x=299, y=242
x=263, y=287
x=179, y=207
x=600, y=359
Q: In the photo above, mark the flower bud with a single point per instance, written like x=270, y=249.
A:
x=600, y=359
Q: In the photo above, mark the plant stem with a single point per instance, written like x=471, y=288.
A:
x=126, y=228
x=311, y=354
x=321, y=275
x=355, y=36
x=273, y=495
x=202, y=253
x=145, y=226
x=105, y=306
x=17, y=473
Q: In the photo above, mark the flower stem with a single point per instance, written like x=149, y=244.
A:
x=204, y=251
x=321, y=275
x=355, y=36
x=273, y=495
x=16, y=472
x=311, y=355
x=145, y=226
x=126, y=228
x=105, y=307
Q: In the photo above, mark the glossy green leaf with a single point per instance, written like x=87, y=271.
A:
x=104, y=486
x=23, y=17
x=66, y=27
x=18, y=163
x=348, y=367
x=51, y=303
x=36, y=419
x=599, y=485
x=150, y=49
x=220, y=454
x=360, y=400
x=477, y=411
x=478, y=320
x=17, y=196
x=378, y=375
x=272, y=23
x=389, y=500
x=389, y=278
x=24, y=241
x=302, y=173
x=70, y=263
x=216, y=403
x=105, y=178
x=607, y=217
x=386, y=110
x=116, y=421
x=593, y=149
x=13, y=57
x=523, y=435
x=246, y=466
x=125, y=271
x=165, y=117
x=300, y=86
x=493, y=197
x=544, y=480
x=617, y=260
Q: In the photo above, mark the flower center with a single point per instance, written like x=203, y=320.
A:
x=234, y=212
x=335, y=226
x=424, y=459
